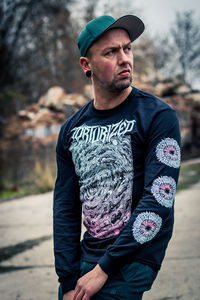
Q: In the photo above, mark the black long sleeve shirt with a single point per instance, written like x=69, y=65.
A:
x=120, y=168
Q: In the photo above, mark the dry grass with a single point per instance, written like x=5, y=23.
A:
x=44, y=178
x=189, y=175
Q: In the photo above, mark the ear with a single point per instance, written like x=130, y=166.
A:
x=85, y=64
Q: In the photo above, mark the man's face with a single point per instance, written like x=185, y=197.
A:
x=111, y=61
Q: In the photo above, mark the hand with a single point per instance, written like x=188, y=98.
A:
x=69, y=295
x=90, y=284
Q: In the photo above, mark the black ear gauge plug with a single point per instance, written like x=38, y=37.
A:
x=88, y=73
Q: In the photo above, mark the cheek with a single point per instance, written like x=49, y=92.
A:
x=108, y=71
x=104, y=70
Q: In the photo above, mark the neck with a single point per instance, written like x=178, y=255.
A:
x=106, y=100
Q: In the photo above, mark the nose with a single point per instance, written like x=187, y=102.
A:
x=123, y=58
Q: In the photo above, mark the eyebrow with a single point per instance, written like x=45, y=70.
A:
x=116, y=47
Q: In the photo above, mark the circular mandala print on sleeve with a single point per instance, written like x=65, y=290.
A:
x=168, y=152
x=146, y=226
x=164, y=189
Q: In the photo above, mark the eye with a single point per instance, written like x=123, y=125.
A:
x=128, y=49
x=110, y=52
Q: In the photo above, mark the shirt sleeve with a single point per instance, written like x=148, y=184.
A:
x=66, y=218
x=161, y=171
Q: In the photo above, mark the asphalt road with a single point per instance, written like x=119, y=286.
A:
x=26, y=251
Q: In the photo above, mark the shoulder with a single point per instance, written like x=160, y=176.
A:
x=156, y=108
x=72, y=122
x=151, y=102
x=153, y=112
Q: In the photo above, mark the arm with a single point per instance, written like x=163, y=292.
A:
x=69, y=295
x=154, y=211
x=66, y=218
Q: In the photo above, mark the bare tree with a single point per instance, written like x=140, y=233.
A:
x=37, y=45
x=179, y=52
x=87, y=10
x=90, y=10
x=186, y=36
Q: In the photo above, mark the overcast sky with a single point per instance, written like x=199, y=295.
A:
x=159, y=14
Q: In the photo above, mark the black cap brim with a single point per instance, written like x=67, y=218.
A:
x=132, y=24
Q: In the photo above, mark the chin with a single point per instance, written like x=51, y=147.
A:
x=120, y=85
x=123, y=85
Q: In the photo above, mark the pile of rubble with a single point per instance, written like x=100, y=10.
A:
x=31, y=135
x=56, y=106
x=52, y=108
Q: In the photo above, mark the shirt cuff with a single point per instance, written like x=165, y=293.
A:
x=68, y=283
x=107, y=264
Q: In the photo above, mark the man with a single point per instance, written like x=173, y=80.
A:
x=118, y=161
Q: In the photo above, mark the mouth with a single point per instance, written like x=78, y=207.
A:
x=124, y=73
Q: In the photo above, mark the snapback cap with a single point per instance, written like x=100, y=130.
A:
x=96, y=27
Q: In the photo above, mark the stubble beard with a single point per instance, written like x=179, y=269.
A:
x=115, y=86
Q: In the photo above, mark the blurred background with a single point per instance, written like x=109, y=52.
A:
x=41, y=85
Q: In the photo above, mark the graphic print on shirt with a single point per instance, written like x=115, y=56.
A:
x=168, y=152
x=146, y=226
x=102, y=156
x=164, y=190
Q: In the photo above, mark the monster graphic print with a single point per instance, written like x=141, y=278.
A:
x=164, y=189
x=146, y=226
x=105, y=169
x=168, y=152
